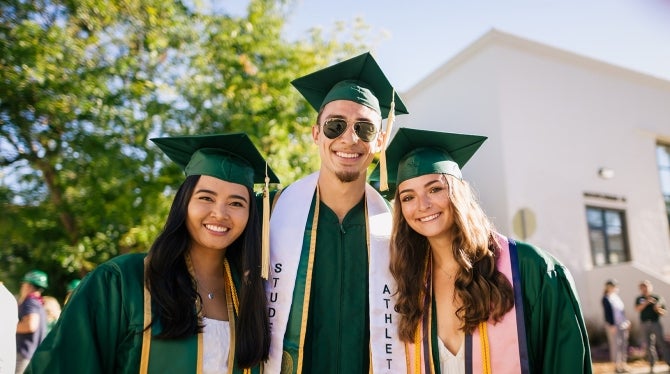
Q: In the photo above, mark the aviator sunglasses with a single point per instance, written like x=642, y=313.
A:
x=334, y=127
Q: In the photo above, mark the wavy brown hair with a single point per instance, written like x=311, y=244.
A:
x=484, y=291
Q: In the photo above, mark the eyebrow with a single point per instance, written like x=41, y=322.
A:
x=425, y=185
x=204, y=190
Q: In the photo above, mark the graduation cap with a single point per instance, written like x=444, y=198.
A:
x=229, y=157
x=359, y=79
x=413, y=153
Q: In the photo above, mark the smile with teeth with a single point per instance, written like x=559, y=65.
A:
x=429, y=218
x=347, y=155
x=217, y=228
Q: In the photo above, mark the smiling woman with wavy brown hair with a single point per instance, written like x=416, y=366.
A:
x=471, y=300
x=480, y=291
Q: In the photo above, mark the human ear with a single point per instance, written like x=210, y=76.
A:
x=315, y=132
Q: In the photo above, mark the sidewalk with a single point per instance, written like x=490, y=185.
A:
x=639, y=366
x=636, y=364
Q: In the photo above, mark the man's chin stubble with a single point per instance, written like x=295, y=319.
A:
x=348, y=177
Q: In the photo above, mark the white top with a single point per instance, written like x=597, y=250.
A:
x=216, y=345
x=617, y=308
x=450, y=363
x=9, y=317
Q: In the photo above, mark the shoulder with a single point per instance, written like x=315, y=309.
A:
x=123, y=268
x=31, y=304
x=534, y=257
x=125, y=261
x=541, y=272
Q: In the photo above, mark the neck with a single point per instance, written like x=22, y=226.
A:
x=207, y=263
x=443, y=256
x=338, y=196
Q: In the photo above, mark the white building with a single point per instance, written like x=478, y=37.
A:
x=577, y=154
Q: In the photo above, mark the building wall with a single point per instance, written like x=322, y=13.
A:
x=553, y=120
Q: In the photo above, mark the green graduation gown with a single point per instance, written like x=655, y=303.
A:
x=337, y=335
x=555, y=330
x=100, y=328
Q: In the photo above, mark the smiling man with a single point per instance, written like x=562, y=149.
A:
x=330, y=288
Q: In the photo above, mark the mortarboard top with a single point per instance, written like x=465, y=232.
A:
x=229, y=157
x=413, y=153
x=359, y=79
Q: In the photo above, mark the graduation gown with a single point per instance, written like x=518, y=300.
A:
x=551, y=335
x=100, y=329
x=337, y=334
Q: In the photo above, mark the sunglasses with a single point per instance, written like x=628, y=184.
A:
x=334, y=127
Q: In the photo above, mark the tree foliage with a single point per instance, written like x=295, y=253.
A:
x=85, y=84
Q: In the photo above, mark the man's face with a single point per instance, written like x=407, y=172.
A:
x=347, y=156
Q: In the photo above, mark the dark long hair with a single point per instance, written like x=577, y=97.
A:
x=172, y=287
x=484, y=291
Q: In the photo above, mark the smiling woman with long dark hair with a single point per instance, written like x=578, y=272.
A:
x=196, y=302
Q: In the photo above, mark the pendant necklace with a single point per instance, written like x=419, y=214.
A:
x=191, y=270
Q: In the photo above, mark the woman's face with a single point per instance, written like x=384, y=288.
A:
x=425, y=205
x=218, y=212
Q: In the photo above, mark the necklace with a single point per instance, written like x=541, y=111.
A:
x=191, y=270
x=449, y=276
x=210, y=295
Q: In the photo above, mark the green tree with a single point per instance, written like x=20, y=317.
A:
x=84, y=85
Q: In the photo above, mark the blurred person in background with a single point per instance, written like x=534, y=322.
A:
x=651, y=307
x=70, y=288
x=32, y=326
x=53, y=309
x=617, y=326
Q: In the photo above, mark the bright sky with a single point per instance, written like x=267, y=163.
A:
x=416, y=37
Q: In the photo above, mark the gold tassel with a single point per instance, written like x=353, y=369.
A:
x=265, y=241
x=383, y=174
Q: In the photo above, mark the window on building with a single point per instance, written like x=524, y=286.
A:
x=663, y=156
x=607, y=234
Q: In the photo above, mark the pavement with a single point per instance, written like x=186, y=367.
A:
x=636, y=361
x=639, y=366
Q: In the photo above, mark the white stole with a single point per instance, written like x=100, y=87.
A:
x=287, y=224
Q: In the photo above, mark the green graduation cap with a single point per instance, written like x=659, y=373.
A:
x=413, y=153
x=359, y=79
x=230, y=157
